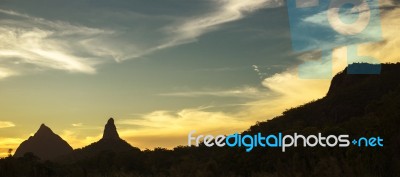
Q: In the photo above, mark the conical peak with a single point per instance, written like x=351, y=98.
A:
x=44, y=130
x=45, y=144
x=110, y=131
x=110, y=121
x=43, y=126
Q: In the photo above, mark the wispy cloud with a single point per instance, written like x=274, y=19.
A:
x=77, y=125
x=189, y=29
x=26, y=40
x=229, y=10
x=76, y=140
x=245, y=92
x=260, y=74
x=389, y=49
x=5, y=72
x=168, y=128
x=6, y=124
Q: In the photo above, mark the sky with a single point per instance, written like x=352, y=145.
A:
x=160, y=69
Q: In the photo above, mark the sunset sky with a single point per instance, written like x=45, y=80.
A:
x=160, y=69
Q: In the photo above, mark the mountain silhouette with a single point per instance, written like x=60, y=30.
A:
x=44, y=144
x=110, y=131
x=110, y=142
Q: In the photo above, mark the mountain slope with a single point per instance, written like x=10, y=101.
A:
x=110, y=142
x=45, y=144
x=349, y=96
x=358, y=105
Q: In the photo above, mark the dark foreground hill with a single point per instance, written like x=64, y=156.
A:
x=358, y=105
x=44, y=144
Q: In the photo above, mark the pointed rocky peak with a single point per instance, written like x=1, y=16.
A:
x=110, y=142
x=44, y=130
x=45, y=144
x=110, y=131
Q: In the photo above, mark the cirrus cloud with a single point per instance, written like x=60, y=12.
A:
x=6, y=124
x=28, y=42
